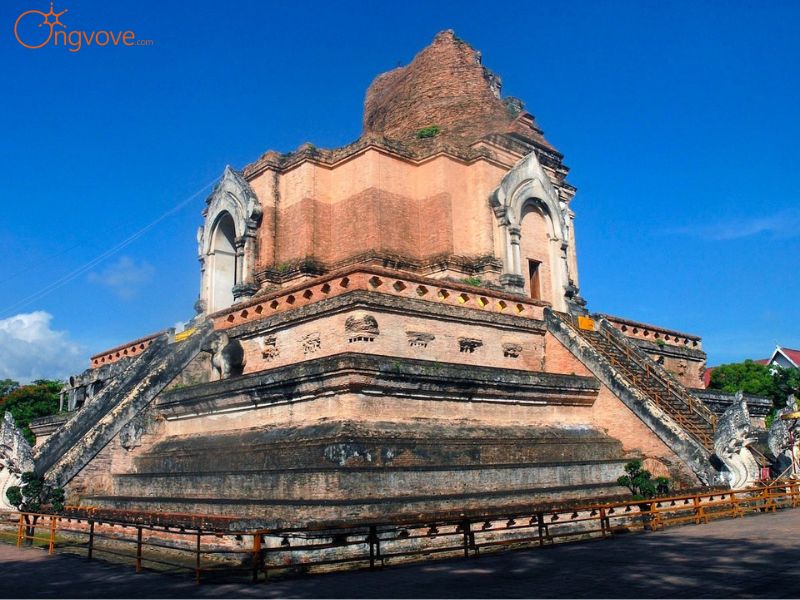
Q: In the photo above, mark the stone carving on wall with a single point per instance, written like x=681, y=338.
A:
x=16, y=457
x=130, y=436
x=469, y=345
x=419, y=339
x=682, y=367
x=269, y=347
x=227, y=357
x=311, y=343
x=361, y=328
x=732, y=437
x=782, y=439
x=511, y=350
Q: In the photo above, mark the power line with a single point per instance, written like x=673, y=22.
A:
x=27, y=266
x=103, y=256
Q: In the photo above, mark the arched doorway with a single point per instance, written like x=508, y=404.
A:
x=223, y=263
x=535, y=251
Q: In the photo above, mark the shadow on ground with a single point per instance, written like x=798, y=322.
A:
x=750, y=557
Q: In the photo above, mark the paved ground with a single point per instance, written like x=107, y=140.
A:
x=758, y=556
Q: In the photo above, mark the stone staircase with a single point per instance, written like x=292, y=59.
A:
x=650, y=378
x=49, y=452
x=67, y=451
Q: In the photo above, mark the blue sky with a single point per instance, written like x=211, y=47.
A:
x=679, y=121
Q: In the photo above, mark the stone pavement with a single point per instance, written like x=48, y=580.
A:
x=757, y=556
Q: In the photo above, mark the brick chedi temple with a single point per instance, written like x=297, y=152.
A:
x=390, y=327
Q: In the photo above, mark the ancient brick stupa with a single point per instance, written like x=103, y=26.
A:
x=389, y=327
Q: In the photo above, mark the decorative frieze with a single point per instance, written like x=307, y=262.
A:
x=417, y=288
x=469, y=344
x=311, y=343
x=269, y=348
x=511, y=350
x=361, y=328
x=419, y=339
x=663, y=337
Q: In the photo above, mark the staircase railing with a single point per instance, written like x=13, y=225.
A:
x=634, y=355
x=655, y=370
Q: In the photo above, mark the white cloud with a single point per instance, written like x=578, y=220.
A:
x=125, y=277
x=30, y=349
x=781, y=225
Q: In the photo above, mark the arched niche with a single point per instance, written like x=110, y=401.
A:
x=222, y=263
x=526, y=191
x=226, y=243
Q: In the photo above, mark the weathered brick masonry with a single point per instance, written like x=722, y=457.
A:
x=384, y=328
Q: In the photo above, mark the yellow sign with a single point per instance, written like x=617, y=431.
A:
x=791, y=415
x=186, y=333
x=586, y=323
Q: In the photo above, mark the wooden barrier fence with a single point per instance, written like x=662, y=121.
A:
x=206, y=545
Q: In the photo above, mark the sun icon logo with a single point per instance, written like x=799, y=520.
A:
x=53, y=13
x=46, y=21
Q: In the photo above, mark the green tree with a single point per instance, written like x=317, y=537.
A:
x=7, y=386
x=33, y=496
x=28, y=402
x=640, y=482
x=774, y=382
x=748, y=376
x=787, y=381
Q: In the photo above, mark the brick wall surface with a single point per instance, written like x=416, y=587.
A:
x=377, y=202
x=557, y=359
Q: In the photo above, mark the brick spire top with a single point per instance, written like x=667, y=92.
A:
x=445, y=86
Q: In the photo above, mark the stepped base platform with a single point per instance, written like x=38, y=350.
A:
x=300, y=512
x=352, y=470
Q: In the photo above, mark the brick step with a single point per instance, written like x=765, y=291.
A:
x=345, y=482
x=299, y=509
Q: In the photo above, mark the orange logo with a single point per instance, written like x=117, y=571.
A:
x=28, y=24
